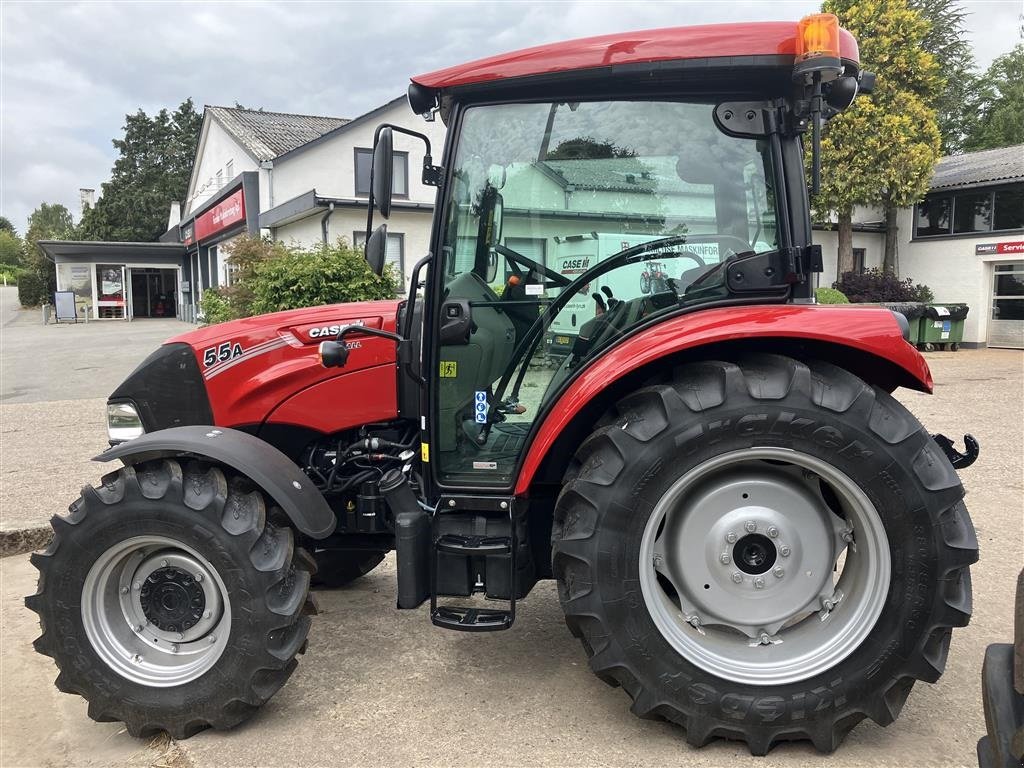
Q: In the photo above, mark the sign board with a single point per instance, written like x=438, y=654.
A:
x=64, y=306
x=1016, y=246
x=227, y=213
x=188, y=233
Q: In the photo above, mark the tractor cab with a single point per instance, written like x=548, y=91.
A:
x=681, y=147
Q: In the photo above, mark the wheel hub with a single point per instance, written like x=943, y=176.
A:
x=754, y=554
x=172, y=600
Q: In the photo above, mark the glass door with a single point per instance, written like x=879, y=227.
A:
x=1006, y=323
x=110, y=291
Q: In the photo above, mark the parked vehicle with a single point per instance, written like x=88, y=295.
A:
x=750, y=535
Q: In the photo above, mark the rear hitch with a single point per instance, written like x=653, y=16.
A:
x=957, y=459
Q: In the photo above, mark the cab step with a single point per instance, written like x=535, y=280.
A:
x=464, y=618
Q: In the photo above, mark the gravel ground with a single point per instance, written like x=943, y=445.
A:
x=383, y=687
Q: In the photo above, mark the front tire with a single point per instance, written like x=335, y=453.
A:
x=339, y=567
x=777, y=472
x=169, y=602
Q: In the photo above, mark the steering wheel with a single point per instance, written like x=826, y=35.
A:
x=515, y=258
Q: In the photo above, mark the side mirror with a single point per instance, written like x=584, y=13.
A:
x=382, y=172
x=376, y=248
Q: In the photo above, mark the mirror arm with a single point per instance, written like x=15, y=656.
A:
x=433, y=175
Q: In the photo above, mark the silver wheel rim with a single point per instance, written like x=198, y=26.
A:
x=155, y=611
x=764, y=566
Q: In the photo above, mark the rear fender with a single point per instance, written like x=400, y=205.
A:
x=276, y=474
x=868, y=341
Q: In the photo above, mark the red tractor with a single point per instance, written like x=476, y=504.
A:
x=749, y=534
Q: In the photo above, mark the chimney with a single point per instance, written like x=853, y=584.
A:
x=174, y=218
x=87, y=197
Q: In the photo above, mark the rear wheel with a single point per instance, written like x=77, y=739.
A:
x=169, y=602
x=763, y=551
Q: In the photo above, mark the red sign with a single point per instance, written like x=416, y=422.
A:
x=224, y=214
x=1016, y=246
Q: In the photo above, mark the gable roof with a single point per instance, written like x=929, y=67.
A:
x=973, y=169
x=268, y=135
x=623, y=174
x=345, y=126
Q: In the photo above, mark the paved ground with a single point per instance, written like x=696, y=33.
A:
x=383, y=687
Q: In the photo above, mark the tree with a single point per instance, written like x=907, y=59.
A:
x=11, y=249
x=946, y=39
x=6, y=226
x=882, y=150
x=153, y=169
x=47, y=222
x=1001, y=109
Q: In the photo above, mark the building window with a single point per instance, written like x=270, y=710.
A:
x=1008, y=292
x=858, y=260
x=364, y=159
x=970, y=212
x=394, y=253
x=229, y=169
x=220, y=179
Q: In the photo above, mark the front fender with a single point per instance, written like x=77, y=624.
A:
x=871, y=334
x=261, y=462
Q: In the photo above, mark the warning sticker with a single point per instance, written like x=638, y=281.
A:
x=480, y=407
x=449, y=369
x=425, y=453
x=534, y=289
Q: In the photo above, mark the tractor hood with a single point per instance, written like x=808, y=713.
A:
x=266, y=370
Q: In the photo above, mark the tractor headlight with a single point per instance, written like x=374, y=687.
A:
x=123, y=422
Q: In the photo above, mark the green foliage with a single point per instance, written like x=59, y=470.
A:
x=1001, y=104
x=325, y=274
x=12, y=250
x=6, y=226
x=884, y=147
x=32, y=289
x=10, y=275
x=270, y=276
x=215, y=307
x=875, y=285
x=153, y=169
x=947, y=41
x=830, y=296
x=47, y=222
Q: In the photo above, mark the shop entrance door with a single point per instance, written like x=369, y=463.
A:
x=154, y=292
x=1006, y=323
x=110, y=295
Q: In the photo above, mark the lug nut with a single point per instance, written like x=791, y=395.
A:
x=139, y=628
x=207, y=614
x=213, y=639
x=779, y=573
x=137, y=585
x=750, y=526
x=163, y=563
x=124, y=590
x=758, y=583
x=765, y=640
x=737, y=577
x=848, y=536
x=784, y=551
x=730, y=537
x=199, y=577
x=658, y=561
x=174, y=647
x=724, y=558
x=773, y=532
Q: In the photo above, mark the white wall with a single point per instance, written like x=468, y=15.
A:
x=951, y=269
x=329, y=167
x=216, y=150
x=872, y=243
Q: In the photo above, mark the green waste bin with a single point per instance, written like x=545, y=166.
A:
x=942, y=327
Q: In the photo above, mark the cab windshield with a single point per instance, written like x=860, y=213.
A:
x=541, y=195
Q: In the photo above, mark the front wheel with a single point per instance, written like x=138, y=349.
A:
x=764, y=551
x=169, y=602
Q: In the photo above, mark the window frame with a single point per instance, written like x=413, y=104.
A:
x=356, y=151
x=359, y=241
x=965, y=191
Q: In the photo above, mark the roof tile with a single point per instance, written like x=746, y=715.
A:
x=271, y=134
x=977, y=168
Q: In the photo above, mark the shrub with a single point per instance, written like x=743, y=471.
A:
x=214, y=307
x=874, y=285
x=9, y=274
x=830, y=296
x=325, y=274
x=32, y=289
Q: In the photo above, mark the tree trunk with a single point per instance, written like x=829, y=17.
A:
x=890, y=264
x=845, y=263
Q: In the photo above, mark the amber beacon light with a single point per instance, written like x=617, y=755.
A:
x=817, y=37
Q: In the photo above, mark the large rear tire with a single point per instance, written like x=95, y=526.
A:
x=763, y=551
x=169, y=602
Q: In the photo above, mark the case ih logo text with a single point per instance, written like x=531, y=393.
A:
x=331, y=330
x=575, y=266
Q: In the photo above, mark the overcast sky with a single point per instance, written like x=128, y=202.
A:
x=69, y=72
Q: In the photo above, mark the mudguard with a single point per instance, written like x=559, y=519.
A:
x=872, y=332
x=262, y=463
